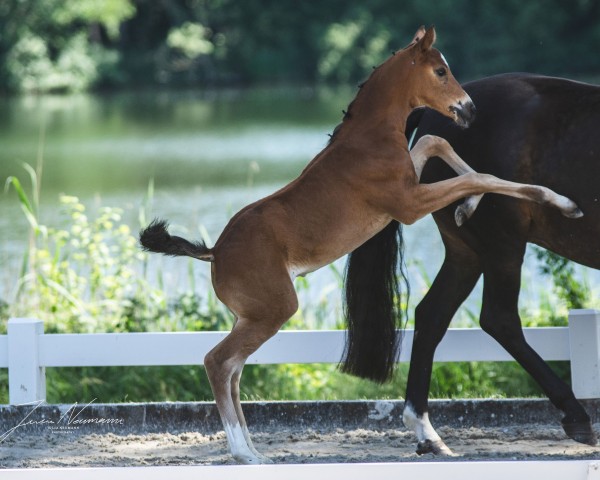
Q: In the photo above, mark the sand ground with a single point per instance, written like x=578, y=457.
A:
x=56, y=449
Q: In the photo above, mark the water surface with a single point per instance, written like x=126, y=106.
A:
x=208, y=154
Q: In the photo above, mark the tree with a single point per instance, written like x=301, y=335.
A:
x=59, y=45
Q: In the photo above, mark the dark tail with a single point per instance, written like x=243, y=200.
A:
x=373, y=297
x=373, y=305
x=156, y=238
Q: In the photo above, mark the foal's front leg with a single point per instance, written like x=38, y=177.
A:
x=439, y=194
x=431, y=146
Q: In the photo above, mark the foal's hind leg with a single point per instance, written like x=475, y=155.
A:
x=224, y=364
x=235, y=396
x=500, y=318
x=261, y=309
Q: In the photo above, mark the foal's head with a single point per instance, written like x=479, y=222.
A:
x=431, y=83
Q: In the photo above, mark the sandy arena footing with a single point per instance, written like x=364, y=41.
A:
x=287, y=432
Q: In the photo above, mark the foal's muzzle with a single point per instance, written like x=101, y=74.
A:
x=464, y=113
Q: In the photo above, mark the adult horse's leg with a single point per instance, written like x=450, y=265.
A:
x=452, y=285
x=500, y=318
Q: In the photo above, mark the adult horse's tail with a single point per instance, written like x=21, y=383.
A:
x=373, y=306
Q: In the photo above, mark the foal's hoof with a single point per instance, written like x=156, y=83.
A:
x=581, y=432
x=265, y=460
x=249, y=458
x=437, y=447
x=569, y=208
x=460, y=215
x=574, y=213
x=466, y=209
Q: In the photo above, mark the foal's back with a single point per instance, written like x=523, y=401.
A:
x=529, y=129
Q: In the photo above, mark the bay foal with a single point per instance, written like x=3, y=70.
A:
x=355, y=187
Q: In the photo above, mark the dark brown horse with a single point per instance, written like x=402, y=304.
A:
x=360, y=183
x=529, y=129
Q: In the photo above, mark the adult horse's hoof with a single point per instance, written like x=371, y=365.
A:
x=437, y=447
x=581, y=432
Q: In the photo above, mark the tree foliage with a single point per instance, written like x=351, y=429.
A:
x=79, y=44
x=59, y=45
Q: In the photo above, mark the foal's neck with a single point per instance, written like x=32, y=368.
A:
x=385, y=99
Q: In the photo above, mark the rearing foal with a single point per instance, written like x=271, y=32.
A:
x=361, y=181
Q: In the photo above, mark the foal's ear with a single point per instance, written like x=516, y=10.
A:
x=419, y=34
x=428, y=39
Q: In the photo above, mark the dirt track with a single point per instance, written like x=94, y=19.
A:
x=56, y=449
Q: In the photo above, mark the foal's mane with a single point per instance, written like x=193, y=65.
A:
x=348, y=112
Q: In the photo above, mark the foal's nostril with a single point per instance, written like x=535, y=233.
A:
x=472, y=110
x=465, y=113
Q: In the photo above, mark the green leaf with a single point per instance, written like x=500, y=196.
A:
x=23, y=200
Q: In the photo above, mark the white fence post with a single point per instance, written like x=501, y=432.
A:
x=584, y=338
x=26, y=378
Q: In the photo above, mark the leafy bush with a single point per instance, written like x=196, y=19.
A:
x=81, y=278
x=574, y=293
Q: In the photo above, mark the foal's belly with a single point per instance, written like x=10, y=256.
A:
x=333, y=245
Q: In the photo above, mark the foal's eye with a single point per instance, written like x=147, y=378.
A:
x=441, y=72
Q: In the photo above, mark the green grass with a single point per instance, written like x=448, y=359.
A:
x=281, y=382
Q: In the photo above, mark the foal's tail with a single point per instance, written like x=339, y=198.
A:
x=156, y=238
x=373, y=305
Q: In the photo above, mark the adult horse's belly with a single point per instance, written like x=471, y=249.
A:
x=575, y=239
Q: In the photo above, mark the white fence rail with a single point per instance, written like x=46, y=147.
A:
x=26, y=351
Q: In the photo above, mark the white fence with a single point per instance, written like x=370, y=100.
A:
x=26, y=351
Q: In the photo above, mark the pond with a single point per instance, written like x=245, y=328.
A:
x=208, y=153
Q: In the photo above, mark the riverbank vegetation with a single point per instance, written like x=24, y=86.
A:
x=88, y=275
